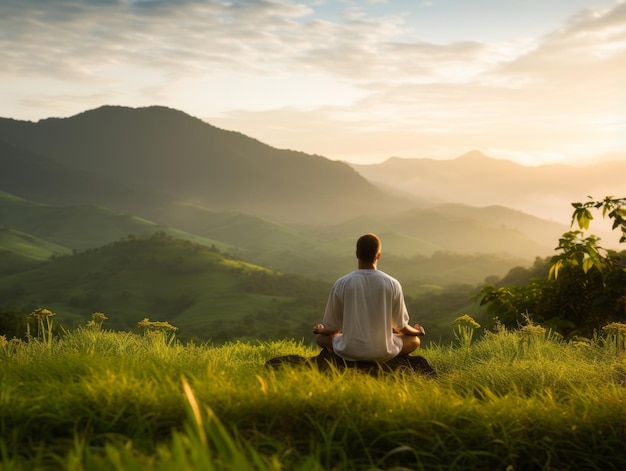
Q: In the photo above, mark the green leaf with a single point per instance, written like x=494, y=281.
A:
x=554, y=270
x=583, y=217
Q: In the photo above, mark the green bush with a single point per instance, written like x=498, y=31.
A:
x=584, y=288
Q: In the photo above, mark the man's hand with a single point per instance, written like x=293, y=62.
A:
x=416, y=331
x=318, y=329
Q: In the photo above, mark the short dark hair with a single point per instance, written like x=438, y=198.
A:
x=367, y=247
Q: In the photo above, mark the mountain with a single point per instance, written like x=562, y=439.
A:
x=178, y=171
x=39, y=231
x=169, y=156
x=73, y=228
x=116, y=171
x=478, y=180
x=41, y=178
x=458, y=229
x=326, y=251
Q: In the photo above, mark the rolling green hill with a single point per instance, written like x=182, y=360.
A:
x=323, y=254
x=454, y=228
x=12, y=262
x=420, y=254
x=255, y=236
x=170, y=279
x=209, y=295
x=75, y=228
x=29, y=246
x=196, y=288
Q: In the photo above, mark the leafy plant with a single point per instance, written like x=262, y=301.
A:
x=464, y=330
x=160, y=331
x=585, y=287
x=584, y=252
x=615, y=335
x=45, y=325
x=97, y=319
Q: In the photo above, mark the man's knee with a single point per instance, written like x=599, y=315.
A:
x=410, y=343
x=324, y=341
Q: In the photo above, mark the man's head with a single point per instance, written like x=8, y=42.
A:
x=368, y=248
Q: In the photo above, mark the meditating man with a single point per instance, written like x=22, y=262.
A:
x=366, y=317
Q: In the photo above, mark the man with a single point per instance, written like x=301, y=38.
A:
x=366, y=317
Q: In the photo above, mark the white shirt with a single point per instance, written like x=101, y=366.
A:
x=365, y=304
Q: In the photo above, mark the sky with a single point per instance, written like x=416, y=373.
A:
x=533, y=81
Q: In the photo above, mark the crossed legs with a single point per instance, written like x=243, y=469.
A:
x=410, y=343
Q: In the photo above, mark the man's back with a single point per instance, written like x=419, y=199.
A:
x=366, y=304
x=364, y=308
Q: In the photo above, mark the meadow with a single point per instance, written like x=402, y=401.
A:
x=96, y=399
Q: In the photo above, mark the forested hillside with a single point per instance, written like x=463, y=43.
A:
x=206, y=294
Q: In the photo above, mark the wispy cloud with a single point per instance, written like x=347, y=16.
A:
x=277, y=70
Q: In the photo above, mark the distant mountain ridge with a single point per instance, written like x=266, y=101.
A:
x=478, y=180
x=167, y=155
x=177, y=172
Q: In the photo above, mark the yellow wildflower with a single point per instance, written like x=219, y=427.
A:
x=467, y=321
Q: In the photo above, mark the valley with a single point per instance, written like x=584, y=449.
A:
x=153, y=213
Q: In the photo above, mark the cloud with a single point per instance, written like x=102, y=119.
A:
x=76, y=40
x=275, y=68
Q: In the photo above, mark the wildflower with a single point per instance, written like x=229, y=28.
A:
x=3, y=340
x=98, y=317
x=464, y=332
x=466, y=321
x=616, y=334
x=533, y=330
x=615, y=328
x=41, y=313
x=144, y=324
x=156, y=326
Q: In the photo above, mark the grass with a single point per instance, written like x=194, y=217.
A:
x=96, y=399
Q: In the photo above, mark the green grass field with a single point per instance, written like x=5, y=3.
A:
x=94, y=399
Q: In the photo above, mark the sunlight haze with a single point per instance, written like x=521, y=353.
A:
x=535, y=82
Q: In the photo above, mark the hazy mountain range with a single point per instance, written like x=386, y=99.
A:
x=477, y=180
x=175, y=170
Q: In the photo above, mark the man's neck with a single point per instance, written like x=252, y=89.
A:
x=367, y=265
